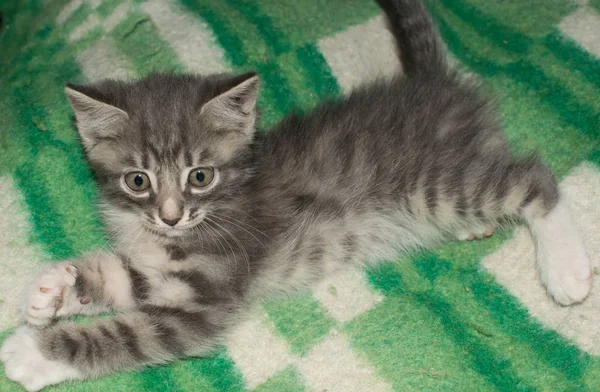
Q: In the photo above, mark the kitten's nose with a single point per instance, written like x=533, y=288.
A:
x=171, y=222
x=170, y=211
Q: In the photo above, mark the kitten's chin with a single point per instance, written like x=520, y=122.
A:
x=172, y=232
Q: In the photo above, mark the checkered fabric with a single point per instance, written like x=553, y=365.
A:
x=465, y=317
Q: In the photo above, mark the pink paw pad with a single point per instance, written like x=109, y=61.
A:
x=47, y=293
x=476, y=234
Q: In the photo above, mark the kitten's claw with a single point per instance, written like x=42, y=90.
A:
x=46, y=295
x=476, y=233
x=489, y=231
x=24, y=362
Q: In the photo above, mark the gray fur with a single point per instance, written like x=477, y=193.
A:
x=419, y=47
x=396, y=165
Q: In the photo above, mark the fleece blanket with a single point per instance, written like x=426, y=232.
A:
x=468, y=316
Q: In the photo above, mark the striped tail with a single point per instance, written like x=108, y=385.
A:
x=419, y=47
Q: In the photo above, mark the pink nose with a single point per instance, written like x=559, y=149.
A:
x=171, y=222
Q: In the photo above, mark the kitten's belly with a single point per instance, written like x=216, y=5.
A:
x=362, y=239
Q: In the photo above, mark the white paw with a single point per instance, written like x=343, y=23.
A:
x=567, y=274
x=47, y=293
x=564, y=266
x=569, y=289
x=25, y=364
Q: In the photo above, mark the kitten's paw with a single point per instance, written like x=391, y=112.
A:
x=571, y=282
x=563, y=263
x=46, y=295
x=477, y=232
x=24, y=362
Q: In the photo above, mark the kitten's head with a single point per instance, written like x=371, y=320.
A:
x=168, y=150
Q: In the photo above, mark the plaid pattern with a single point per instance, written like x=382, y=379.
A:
x=436, y=320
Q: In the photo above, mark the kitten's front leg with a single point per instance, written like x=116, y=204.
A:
x=25, y=363
x=91, y=285
x=47, y=294
x=37, y=358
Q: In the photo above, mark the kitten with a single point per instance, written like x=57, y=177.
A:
x=207, y=218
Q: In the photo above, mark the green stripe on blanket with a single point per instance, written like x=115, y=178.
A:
x=432, y=321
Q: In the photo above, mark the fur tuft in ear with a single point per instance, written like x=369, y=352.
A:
x=96, y=120
x=235, y=109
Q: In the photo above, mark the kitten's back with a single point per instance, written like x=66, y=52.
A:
x=403, y=162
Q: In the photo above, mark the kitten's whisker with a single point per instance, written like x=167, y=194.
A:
x=232, y=236
x=217, y=235
x=227, y=256
x=115, y=237
x=240, y=246
x=249, y=226
x=251, y=217
x=93, y=176
x=233, y=223
x=137, y=231
x=200, y=231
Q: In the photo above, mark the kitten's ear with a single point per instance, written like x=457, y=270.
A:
x=96, y=120
x=235, y=109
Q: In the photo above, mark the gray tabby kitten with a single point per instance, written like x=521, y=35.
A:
x=207, y=219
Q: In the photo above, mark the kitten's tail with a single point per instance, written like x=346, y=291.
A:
x=419, y=47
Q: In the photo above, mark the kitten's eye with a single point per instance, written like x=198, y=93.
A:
x=137, y=181
x=201, y=176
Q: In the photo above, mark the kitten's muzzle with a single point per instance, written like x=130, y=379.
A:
x=170, y=211
x=171, y=222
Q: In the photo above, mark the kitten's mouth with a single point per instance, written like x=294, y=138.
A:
x=170, y=232
x=175, y=231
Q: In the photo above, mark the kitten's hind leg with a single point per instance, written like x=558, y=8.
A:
x=562, y=262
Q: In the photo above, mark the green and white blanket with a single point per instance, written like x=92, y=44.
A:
x=466, y=317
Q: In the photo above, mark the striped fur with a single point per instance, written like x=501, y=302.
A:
x=419, y=46
x=397, y=165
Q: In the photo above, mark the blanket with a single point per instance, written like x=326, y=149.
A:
x=469, y=316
